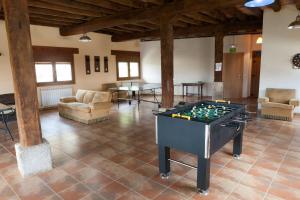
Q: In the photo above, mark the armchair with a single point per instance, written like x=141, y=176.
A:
x=279, y=104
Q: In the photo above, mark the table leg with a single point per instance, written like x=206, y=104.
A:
x=238, y=145
x=201, y=91
x=131, y=97
x=186, y=91
x=203, y=175
x=164, y=162
x=183, y=91
x=198, y=91
x=139, y=98
x=118, y=100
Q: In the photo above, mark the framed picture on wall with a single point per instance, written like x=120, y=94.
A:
x=87, y=65
x=106, y=64
x=97, y=63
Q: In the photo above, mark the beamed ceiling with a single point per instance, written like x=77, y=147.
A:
x=140, y=19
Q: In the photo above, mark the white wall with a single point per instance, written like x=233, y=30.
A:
x=279, y=45
x=101, y=45
x=193, y=61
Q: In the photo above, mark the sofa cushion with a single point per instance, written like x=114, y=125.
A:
x=77, y=106
x=102, y=97
x=278, y=105
x=80, y=95
x=88, y=97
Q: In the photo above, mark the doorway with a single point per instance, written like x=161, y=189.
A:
x=233, y=75
x=255, y=74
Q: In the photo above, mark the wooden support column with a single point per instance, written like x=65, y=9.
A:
x=219, y=37
x=21, y=58
x=167, y=68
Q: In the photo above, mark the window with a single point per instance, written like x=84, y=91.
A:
x=50, y=73
x=128, y=65
x=63, y=71
x=123, y=70
x=44, y=72
x=54, y=65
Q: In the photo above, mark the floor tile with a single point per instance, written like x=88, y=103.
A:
x=113, y=191
x=32, y=189
x=58, y=179
x=75, y=192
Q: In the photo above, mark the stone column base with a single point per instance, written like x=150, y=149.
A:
x=34, y=159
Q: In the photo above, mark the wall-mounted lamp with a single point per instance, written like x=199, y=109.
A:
x=259, y=40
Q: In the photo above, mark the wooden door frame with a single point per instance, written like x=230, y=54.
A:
x=252, y=56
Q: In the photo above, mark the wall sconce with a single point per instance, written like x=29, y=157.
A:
x=259, y=40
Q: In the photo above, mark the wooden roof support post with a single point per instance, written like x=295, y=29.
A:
x=167, y=66
x=21, y=58
x=219, y=45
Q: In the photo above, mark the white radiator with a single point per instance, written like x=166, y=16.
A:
x=49, y=97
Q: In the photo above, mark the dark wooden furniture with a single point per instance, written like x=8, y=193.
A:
x=7, y=99
x=7, y=114
x=185, y=87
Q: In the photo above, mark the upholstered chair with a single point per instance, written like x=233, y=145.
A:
x=279, y=104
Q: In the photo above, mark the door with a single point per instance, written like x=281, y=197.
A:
x=233, y=75
x=255, y=73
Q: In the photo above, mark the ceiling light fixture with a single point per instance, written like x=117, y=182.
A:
x=85, y=38
x=259, y=40
x=258, y=3
x=295, y=24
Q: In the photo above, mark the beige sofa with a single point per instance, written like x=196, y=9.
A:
x=87, y=106
x=279, y=104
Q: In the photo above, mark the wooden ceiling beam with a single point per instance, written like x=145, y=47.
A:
x=145, y=25
x=63, y=6
x=111, y=6
x=131, y=28
x=250, y=11
x=208, y=30
x=55, y=18
x=202, y=18
x=130, y=3
x=118, y=29
x=155, y=2
x=140, y=15
x=276, y=6
x=45, y=22
x=297, y=2
x=50, y=13
x=188, y=20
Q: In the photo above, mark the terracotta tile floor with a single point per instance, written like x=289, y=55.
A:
x=117, y=159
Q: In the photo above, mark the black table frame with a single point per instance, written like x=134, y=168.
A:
x=185, y=87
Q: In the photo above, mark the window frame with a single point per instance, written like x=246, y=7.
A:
x=127, y=56
x=53, y=55
x=55, y=82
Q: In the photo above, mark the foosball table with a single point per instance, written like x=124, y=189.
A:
x=201, y=129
